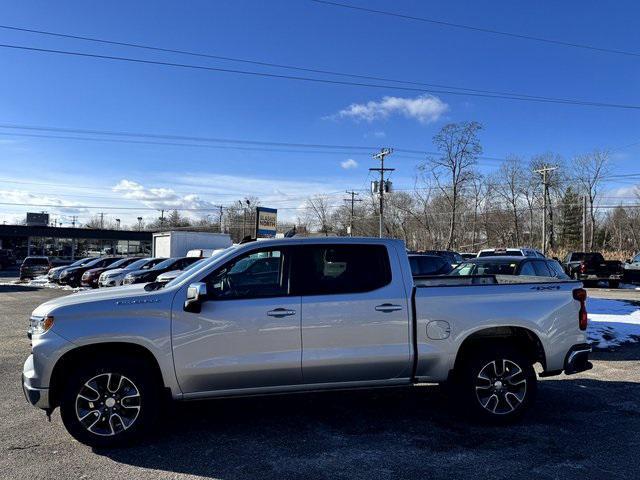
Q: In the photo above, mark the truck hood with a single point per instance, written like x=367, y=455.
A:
x=116, y=293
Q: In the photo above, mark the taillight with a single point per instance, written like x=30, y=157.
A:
x=583, y=267
x=580, y=294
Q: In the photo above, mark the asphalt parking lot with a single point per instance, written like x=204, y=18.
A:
x=583, y=426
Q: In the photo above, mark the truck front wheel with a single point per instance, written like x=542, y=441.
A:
x=109, y=402
x=497, y=385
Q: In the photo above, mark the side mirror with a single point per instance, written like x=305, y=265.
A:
x=196, y=294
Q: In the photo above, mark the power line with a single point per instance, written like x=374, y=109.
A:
x=321, y=80
x=269, y=64
x=480, y=29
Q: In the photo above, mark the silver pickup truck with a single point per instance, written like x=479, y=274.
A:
x=294, y=315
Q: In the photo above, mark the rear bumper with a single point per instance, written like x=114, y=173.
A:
x=593, y=278
x=577, y=359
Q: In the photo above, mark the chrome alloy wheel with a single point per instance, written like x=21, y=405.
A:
x=501, y=386
x=108, y=404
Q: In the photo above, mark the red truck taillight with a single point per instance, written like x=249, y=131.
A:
x=583, y=268
x=580, y=294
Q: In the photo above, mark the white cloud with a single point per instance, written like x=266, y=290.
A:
x=349, y=164
x=27, y=201
x=425, y=109
x=160, y=198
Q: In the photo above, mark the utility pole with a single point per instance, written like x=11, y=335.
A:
x=118, y=223
x=584, y=223
x=139, y=223
x=353, y=200
x=545, y=183
x=381, y=187
x=220, y=219
x=101, y=220
x=74, y=218
x=161, y=219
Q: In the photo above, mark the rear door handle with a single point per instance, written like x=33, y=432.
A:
x=388, y=307
x=281, y=312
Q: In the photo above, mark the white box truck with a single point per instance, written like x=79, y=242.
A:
x=178, y=243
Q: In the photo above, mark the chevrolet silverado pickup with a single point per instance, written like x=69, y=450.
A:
x=292, y=315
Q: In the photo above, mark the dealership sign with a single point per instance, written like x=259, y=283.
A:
x=266, y=221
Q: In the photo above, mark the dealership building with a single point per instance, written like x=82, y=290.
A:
x=69, y=243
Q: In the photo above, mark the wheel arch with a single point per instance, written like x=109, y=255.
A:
x=524, y=339
x=77, y=356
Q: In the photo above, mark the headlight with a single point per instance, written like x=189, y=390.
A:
x=64, y=274
x=39, y=325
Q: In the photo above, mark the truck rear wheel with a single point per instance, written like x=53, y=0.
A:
x=497, y=385
x=614, y=283
x=110, y=402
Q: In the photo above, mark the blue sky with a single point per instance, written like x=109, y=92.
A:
x=61, y=91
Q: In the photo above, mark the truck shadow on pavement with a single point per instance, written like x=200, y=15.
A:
x=574, y=431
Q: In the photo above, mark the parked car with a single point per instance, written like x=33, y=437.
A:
x=422, y=265
x=53, y=275
x=340, y=313
x=73, y=276
x=512, y=252
x=146, y=276
x=537, y=267
x=591, y=268
x=632, y=270
x=91, y=276
x=166, y=277
x=454, y=258
x=204, y=252
x=114, y=277
x=34, y=267
x=468, y=255
x=7, y=258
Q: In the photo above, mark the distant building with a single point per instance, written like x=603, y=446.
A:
x=63, y=242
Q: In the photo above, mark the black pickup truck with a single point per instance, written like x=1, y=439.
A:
x=591, y=268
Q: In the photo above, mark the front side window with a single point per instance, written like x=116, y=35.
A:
x=338, y=269
x=254, y=275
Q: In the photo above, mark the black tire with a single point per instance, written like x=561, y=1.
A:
x=117, y=424
x=614, y=283
x=509, y=393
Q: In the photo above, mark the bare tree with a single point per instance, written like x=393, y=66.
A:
x=318, y=211
x=591, y=170
x=459, y=149
x=509, y=186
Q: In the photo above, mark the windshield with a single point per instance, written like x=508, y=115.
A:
x=35, y=261
x=138, y=264
x=77, y=263
x=165, y=264
x=200, y=263
x=120, y=262
x=493, y=267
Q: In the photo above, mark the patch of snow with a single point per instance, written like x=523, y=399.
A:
x=42, y=282
x=612, y=322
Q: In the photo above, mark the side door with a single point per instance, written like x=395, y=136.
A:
x=247, y=334
x=355, y=313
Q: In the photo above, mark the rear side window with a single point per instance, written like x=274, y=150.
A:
x=36, y=261
x=527, y=269
x=337, y=269
x=426, y=265
x=541, y=269
x=556, y=269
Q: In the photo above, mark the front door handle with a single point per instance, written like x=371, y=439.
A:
x=388, y=307
x=281, y=312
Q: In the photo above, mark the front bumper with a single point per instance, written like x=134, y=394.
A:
x=577, y=359
x=38, y=397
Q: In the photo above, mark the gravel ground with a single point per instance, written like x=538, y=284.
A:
x=583, y=426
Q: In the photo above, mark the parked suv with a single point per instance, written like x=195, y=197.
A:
x=146, y=276
x=91, y=276
x=34, y=267
x=73, y=276
x=536, y=267
x=114, y=277
x=513, y=252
